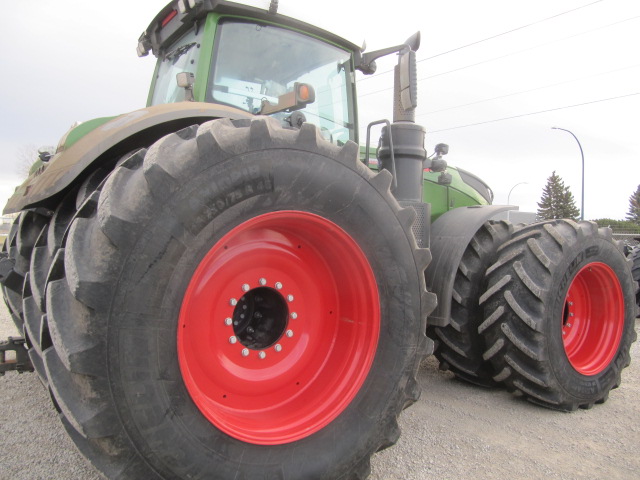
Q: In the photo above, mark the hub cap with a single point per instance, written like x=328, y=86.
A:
x=278, y=327
x=593, y=318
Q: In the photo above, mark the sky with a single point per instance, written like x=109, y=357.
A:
x=494, y=77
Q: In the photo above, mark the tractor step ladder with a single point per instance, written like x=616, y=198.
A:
x=19, y=360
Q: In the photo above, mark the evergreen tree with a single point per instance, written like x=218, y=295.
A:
x=634, y=207
x=557, y=201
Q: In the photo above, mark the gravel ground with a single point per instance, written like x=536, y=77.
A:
x=455, y=431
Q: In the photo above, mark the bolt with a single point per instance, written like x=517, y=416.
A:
x=233, y=302
x=571, y=304
x=257, y=315
x=290, y=297
x=278, y=286
x=250, y=330
x=245, y=352
x=246, y=287
x=278, y=347
x=232, y=340
x=571, y=314
x=564, y=333
x=228, y=321
x=262, y=281
x=262, y=355
x=569, y=325
x=289, y=333
x=293, y=315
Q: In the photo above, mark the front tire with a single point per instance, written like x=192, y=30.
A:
x=167, y=379
x=559, y=314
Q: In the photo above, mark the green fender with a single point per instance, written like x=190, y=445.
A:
x=105, y=143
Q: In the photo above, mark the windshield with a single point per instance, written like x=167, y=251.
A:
x=256, y=62
x=182, y=56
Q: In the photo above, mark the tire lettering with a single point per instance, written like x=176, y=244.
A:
x=573, y=266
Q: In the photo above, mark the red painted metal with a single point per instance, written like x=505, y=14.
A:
x=295, y=387
x=593, y=318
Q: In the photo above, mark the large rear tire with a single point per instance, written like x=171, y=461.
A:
x=559, y=314
x=243, y=300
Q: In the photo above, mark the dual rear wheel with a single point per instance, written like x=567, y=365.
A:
x=559, y=314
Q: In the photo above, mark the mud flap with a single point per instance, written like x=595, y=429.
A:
x=450, y=235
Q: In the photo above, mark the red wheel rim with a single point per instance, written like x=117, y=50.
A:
x=278, y=327
x=593, y=318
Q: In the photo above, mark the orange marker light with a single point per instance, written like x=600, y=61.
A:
x=303, y=92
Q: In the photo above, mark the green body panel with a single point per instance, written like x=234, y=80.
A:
x=206, y=57
x=81, y=130
x=441, y=197
x=447, y=197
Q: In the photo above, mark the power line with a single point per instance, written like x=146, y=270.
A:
x=490, y=38
x=534, y=113
x=526, y=91
x=508, y=54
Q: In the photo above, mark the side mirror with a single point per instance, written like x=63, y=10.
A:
x=186, y=80
x=45, y=153
x=408, y=80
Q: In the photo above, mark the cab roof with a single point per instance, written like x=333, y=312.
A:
x=181, y=15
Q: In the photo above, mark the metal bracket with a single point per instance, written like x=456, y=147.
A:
x=393, y=160
x=21, y=362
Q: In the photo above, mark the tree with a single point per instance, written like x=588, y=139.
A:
x=27, y=155
x=634, y=207
x=557, y=201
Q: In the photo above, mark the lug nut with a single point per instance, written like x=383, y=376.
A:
x=246, y=287
x=262, y=355
x=278, y=347
x=278, y=286
x=289, y=333
x=293, y=315
x=233, y=302
x=232, y=340
x=245, y=352
x=228, y=321
x=290, y=297
x=262, y=281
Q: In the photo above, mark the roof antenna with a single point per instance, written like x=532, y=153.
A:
x=273, y=7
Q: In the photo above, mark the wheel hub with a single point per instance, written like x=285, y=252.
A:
x=260, y=318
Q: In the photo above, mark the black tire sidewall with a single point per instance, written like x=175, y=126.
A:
x=147, y=387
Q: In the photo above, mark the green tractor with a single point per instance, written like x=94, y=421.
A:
x=225, y=285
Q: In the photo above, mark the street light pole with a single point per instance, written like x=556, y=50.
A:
x=582, y=155
x=509, y=196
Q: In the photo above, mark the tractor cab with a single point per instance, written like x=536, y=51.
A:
x=252, y=60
